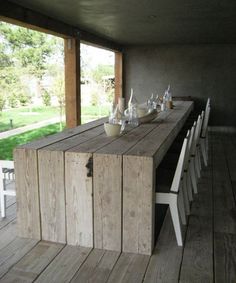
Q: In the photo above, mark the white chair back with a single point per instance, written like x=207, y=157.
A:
x=207, y=104
x=180, y=167
x=205, y=122
x=6, y=174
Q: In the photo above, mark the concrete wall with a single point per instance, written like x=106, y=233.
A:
x=199, y=71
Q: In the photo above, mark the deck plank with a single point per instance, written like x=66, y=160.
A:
x=7, y=234
x=166, y=260
x=33, y=263
x=65, y=265
x=10, y=216
x=224, y=201
x=197, y=262
x=97, y=267
x=13, y=252
x=225, y=257
x=130, y=268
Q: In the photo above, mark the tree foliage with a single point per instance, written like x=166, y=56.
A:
x=25, y=52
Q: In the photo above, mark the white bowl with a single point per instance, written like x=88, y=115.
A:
x=112, y=130
x=142, y=112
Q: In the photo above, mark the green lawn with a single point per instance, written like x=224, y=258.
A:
x=38, y=114
x=26, y=116
x=7, y=145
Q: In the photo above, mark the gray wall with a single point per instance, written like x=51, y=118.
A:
x=199, y=71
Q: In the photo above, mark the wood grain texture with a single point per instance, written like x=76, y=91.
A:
x=138, y=204
x=97, y=267
x=13, y=252
x=72, y=82
x=65, y=265
x=224, y=202
x=197, y=264
x=7, y=234
x=68, y=133
x=51, y=163
x=108, y=188
x=165, y=262
x=130, y=268
x=10, y=216
x=158, y=141
x=225, y=257
x=33, y=263
x=107, y=201
x=52, y=195
x=79, y=200
x=27, y=194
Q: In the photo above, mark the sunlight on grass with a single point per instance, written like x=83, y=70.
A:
x=7, y=145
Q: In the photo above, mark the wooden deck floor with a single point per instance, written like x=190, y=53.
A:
x=209, y=254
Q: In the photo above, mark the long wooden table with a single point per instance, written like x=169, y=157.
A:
x=83, y=188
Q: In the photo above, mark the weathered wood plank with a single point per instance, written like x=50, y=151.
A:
x=13, y=252
x=51, y=170
x=79, y=200
x=165, y=262
x=72, y=82
x=7, y=234
x=32, y=264
x=27, y=194
x=157, y=142
x=65, y=265
x=68, y=133
x=52, y=196
x=197, y=263
x=138, y=204
x=225, y=257
x=224, y=201
x=107, y=201
x=10, y=215
x=130, y=268
x=138, y=177
x=97, y=267
x=108, y=188
x=79, y=190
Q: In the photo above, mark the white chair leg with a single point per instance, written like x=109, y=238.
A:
x=185, y=196
x=196, y=164
x=189, y=186
x=3, y=204
x=207, y=145
x=203, y=150
x=199, y=159
x=175, y=219
x=193, y=176
x=181, y=208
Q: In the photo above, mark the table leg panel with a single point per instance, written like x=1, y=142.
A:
x=107, y=201
x=27, y=193
x=138, y=204
x=52, y=195
x=79, y=199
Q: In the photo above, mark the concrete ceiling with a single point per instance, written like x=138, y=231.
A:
x=142, y=22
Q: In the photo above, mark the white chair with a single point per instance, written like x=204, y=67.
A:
x=187, y=174
x=173, y=195
x=195, y=159
x=7, y=176
x=204, y=134
x=192, y=169
x=197, y=150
